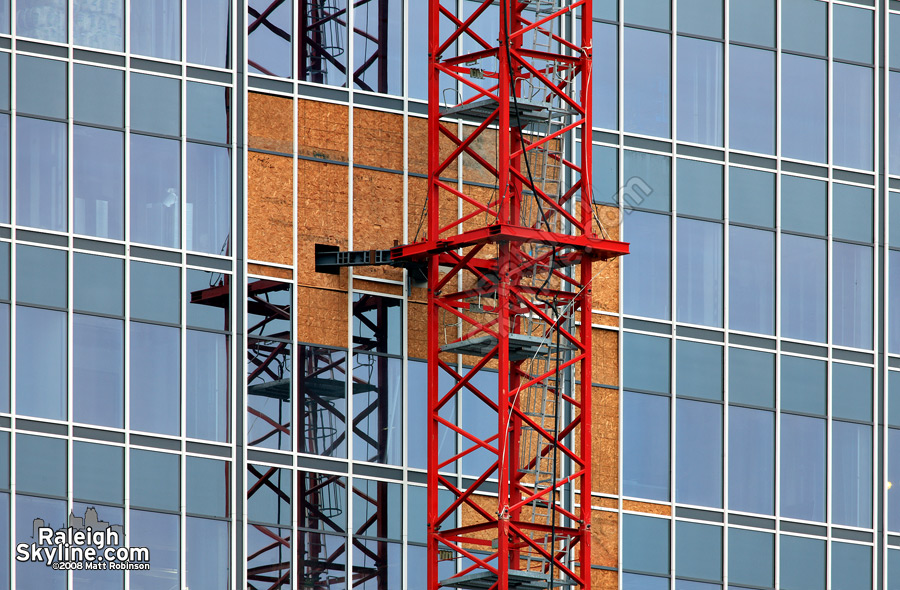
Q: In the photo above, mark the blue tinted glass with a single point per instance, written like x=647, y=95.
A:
x=41, y=86
x=700, y=17
x=208, y=112
x=99, y=284
x=155, y=389
x=699, y=272
x=852, y=212
x=379, y=415
x=40, y=465
x=851, y=476
x=894, y=219
x=41, y=363
x=92, y=579
x=699, y=188
x=41, y=19
x=209, y=299
x=851, y=566
x=802, y=467
x=646, y=82
x=605, y=174
x=207, y=565
x=4, y=75
x=698, y=551
x=803, y=103
x=751, y=460
x=894, y=38
x=802, y=563
x=155, y=480
x=32, y=575
x=155, y=191
x=752, y=99
x=208, y=33
x=698, y=370
x=853, y=112
x=160, y=534
x=155, y=292
x=645, y=544
x=645, y=445
x=605, y=9
x=269, y=43
x=605, y=76
x=893, y=475
x=41, y=171
x=894, y=295
x=4, y=168
x=4, y=270
x=99, y=24
x=377, y=70
x=853, y=31
x=893, y=569
x=751, y=377
x=98, y=473
x=647, y=268
x=156, y=28
x=207, y=487
x=698, y=459
x=751, y=558
x=155, y=104
x=851, y=392
x=99, y=182
x=752, y=22
x=650, y=13
x=208, y=206
x=646, y=362
x=803, y=287
x=804, y=26
x=804, y=205
x=98, y=373
x=700, y=91
x=852, y=286
x=751, y=260
x=417, y=41
x=647, y=181
x=41, y=276
x=4, y=357
x=99, y=95
x=4, y=17
x=894, y=123
x=803, y=385
x=207, y=394
x=642, y=582
x=893, y=411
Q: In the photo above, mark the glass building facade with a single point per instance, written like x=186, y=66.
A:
x=171, y=363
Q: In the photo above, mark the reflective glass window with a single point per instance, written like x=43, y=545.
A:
x=208, y=35
x=378, y=68
x=4, y=169
x=377, y=508
x=41, y=86
x=646, y=82
x=751, y=558
x=41, y=276
x=417, y=43
x=99, y=284
x=479, y=418
x=853, y=116
x=42, y=19
x=752, y=22
x=41, y=465
x=647, y=181
x=322, y=503
x=804, y=205
x=417, y=419
x=892, y=499
x=698, y=460
x=378, y=409
x=852, y=286
x=99, y=24
x=894, y=123
x=641, y=582
x=98, y=472
x=803, y=287
x=605, y=9
x=4, y=357
x=893, y=568
x=894, y=302
x=698, y=370
x=851, y=392
x=160, y=534
x=803, y=385
x=207, y=396
x=155, y=480
x=804, y=26
x=851, y=476
x=645, y=544
x=155, y=104
x=377, y=323
x=4, y=74
x=802, y=467
x=605, y=76
x=802, y=563
x=645, y=445
x=700, y=91
x=207, y=486
x=699, y=188
x=698, y=551
x=269, y=41
x=4, y=270
x=853, y=33
x=99, y=95
x=156, y=28
x=208, y=203
x=41, y=363
x=751, y=460
x=208, y=112
x=649, y=13
x=646, y=360
x=98, y=372
x=99, y=182
x=207, y=548
x=269, y=379
x=700, y=272
x=751, y=197
x=700, y=17
x=803, y=103
x=893, y=409
x=605, y=178
x=751, y=259
x=155, y=191
x=851, y=566
x=4, y=17
x=31, y=575
x=852, y=212
x=209, y=299
x=156, y=387
x=41, y=169
x=647, y=270
x=894, y=40
x=155, y=292
x=751, y=377
x=752, y=98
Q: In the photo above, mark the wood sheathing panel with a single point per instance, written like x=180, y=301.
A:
x=269, y=208
x=606, y=283
x=418, y=149
x=321, y=219
x=605, y=538
x=269, y=271
x=321, y=316
x=417, y=338
x=377, y=216
x=647, y=507
x=269, y=123
x=322, y=130
x=605, y=440
x=604, y=580
x=378, y=139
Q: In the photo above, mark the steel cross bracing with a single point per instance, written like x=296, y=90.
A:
x=509, y=291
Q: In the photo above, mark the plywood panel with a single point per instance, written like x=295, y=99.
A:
x=604, y=580
x=269, y=271
x=378, y=139
x=270, y=125
x=322, y=205
x=323, y=130
x=647, y=507
x=605, y=357
x=605, y=440
x=269, y=208
x=377, y=216
x=321, y=316
x=608, y=275
x=605, y=538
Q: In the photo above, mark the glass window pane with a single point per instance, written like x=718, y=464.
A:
x=698, y=461
x=647, y=181
x=155, y=191
x=699, y=370
x=41, y=86
x=4, y=270
x=41, y=363
x=155, y=480
x=378, y=409
x=645, y=544
x=41, y=169
x=155, y=104
x=803, y=386
x=207, y=393
x=98, y=473
x=605, y=180
x=100, y=24
x=99, y=284
x=892, y=497
x=156, y=387
x=207, y=487
x=803, y=287
x=700, y=91
x=209, y=299
x=208, y=33
x=646, y=82
x=649, y=13
x=751, y=377
x=852, y=212
x=751, y=460
x=699, y=272
x=160, y=534
x=156, y=28
x=376, y=67
x=647, y=268
x=699, y=188
x=698, y=551
x=31, y=575
x=4, y=169
x=752, y=22
x=646, y=360
x=852, y=287
x=853, y=116
x=4, y=357
x=804, y=26
x=893, y=410
x=41, y=19
x=99, y=182
x=894, y=302
x=98, y=374
x=642, y=582
x=893, y=569
x=853, y=32
x=155, y=292
x=802, y=563
x=377, y=323
x=851, y=477
x=99, y=95
x=208, y=112
x=41, y=276
x=605, y=76
x=894, y=123
x=645, y=446
x=851, y=392
x=207, y=564
x=40, y=465
x=269, y=44
x=803, y=102
x=377, y=508
x=208, y=207
x=804, y=205
x=4, y=74
x=752, y=98
x=751, y=558
x=851, y=566
x=802, y=467
x=751, y=259
x=700, y=17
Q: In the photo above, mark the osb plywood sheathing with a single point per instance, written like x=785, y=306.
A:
x=605, y=440
x=647, y=507
x=377, y=139
x=377, y=217
x=604, y=538
x=269, y=123
x=269, y=271
x=322, y=130
x=270, y=208
x=418, y=149
x=321, y=219
x=321, y=316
